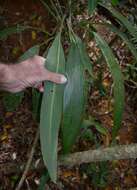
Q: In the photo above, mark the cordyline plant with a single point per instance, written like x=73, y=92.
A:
x=63, y=106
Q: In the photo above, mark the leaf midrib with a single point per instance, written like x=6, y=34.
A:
x=53, y=97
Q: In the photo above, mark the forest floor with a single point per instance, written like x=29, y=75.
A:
x=18, y=128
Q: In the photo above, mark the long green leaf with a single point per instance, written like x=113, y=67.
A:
x=12, y=101
x=51, y=109
x=130, y=27
x=74, y=97
x=118, y=82
x=29, y=53
x=11, y=30
x=124, y=37
x=87, y=64
x=92, y=6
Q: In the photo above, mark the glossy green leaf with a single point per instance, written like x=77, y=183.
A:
x=74, y=97
x=51, y=109
x=92, y=4
x=11, y=30
x=12, y=101
x=118, y=82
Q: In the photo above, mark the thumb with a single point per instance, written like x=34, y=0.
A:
x=56, y=78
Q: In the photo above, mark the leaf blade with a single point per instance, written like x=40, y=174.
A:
x=11, y=30
x=118, y=82
x=74, y=95
x=51, y=109
x=92, y=4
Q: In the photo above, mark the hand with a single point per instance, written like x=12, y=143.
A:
x=29, y=73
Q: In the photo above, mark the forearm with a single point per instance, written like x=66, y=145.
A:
x=5, y=75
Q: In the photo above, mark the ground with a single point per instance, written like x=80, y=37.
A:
x=18, y=128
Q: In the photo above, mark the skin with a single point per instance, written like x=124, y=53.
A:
x=29, y=73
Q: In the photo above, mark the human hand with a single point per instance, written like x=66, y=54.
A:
x=28, y=73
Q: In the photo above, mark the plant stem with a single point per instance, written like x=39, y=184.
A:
x=56, y=10
x=60, y=9
x=49, y=9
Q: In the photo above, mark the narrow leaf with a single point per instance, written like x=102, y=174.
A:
x=87, y=64
x=11, y=30
x=118, y=82
x=123, y=20
x=74, y=98
x=51, y=109
x=124, y=37
x=92, y=4
x=29, y=53
x=43, y=180
x=98, y=126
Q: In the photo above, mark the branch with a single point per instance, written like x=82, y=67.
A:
x=101, y=154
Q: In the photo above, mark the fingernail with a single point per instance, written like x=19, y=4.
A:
x=63, y=79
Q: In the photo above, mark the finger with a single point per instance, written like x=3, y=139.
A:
x=54, y=77
x=39, y=86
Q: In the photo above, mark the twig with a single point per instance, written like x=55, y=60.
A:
x=102, y=154
x=28, y=162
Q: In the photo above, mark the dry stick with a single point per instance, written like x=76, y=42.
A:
x=98, y=155
x=101, y=154
x=28, y=164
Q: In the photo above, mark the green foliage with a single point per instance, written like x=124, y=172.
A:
x=130, y=73
x=98, y=126
x=6, y=32
x=92, y=6
x=124, y=37
x=114, y=2
x=118, y=82
x=75, y=92
x=51, y=109
x=87, y=126
x=12, y=101
x=43, y=180
x=73, y=98
x=98, y=174
x=123, y=21
x=67, y=108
